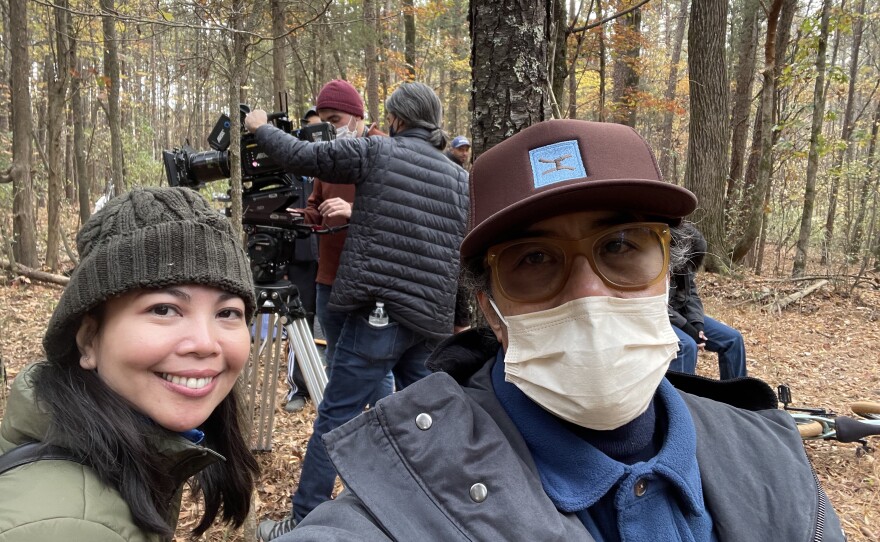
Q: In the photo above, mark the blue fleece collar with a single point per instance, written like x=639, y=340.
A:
x=575, y=475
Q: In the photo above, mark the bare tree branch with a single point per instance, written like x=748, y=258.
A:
x=606, y=19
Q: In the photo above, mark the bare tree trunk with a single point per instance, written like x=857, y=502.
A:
x=602, y=67
x=23, y=222
x=666, y=145
x=112, y=81
x=753, y=197
x=865, y=191
x=803, y=242
x=626, y=66
x=843, y=156
x=4, y=64
x=409, y=41
x=236, y=76
x=56, y=70
x=371, y=58
x=708, y=134
x=509, y=68
x=279, y=51
x=559, y=56
x=739, y=117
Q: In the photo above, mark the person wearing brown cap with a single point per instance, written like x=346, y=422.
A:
x=400, y=259
x=557, y=421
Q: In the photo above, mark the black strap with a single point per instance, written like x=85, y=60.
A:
x=33, y=451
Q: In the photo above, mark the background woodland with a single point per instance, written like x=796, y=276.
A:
x=767, y=110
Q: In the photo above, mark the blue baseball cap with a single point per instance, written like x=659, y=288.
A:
x=460, y=141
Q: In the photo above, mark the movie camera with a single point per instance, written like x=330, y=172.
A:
x=268, y=191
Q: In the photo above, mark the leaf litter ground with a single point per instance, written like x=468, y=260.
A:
x=824, y=346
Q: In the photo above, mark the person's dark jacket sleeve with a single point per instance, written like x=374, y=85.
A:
x=688, y=313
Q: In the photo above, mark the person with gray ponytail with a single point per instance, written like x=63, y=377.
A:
x=407, y=222
x=414, y=105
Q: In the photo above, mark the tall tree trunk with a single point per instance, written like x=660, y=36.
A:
x=753, y=199
x=509, y=68
x=279, y=52
x=236, y=77
x=409, y=40
x=747, y=45
x=56, y=89
x=572, y=67
x=371, y=58
x=112, y=82
x=626, y=66
x=603, y=83
x=559, y=56
x=708, y=135
x=24, y=225
x=865, y=190
x=4, y=67
x=666, y=145
x=803, y=242
x=843, y=156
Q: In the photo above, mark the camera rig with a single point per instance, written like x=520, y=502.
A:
x=267, y=190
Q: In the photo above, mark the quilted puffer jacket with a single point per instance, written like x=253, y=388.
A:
x=409, y=217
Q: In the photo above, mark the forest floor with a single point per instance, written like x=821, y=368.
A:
x=824, y=346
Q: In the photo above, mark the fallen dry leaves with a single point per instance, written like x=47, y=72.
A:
x=825, y=347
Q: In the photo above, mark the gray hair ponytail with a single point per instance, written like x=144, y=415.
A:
x=418, y=106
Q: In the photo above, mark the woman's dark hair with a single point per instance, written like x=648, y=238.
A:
x=418, y=106
x=103, y=431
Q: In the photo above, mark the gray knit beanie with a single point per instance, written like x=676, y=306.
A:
x=148, y=238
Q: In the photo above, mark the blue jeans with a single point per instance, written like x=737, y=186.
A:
x=724, y=340
x=331, y=323
x=362, y=359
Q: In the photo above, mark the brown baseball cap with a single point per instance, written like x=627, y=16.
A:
x=563, y=166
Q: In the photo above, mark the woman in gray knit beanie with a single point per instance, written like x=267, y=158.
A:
x=143, y=352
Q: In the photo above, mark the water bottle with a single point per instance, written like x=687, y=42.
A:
x=379, y=318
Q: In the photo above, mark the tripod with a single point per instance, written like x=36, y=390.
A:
x=281, y=300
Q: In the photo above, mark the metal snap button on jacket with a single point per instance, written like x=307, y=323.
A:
x=424, y=421
x=641, y=487
x=479, y=492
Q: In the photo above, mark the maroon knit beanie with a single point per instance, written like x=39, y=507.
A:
x=340, y=95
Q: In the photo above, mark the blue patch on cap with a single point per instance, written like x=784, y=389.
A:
x=556, y=163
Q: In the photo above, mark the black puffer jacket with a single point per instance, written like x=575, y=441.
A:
x=408, y=220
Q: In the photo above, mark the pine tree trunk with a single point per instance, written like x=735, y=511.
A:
x=371, y=59
x=705, y=173
x=509, y=68
x=843, y=156
x=742, y=101
x=23, y=222
x=626, y=67
x=666, y=145
x=279, y=52
x=409, y=40
x=753, y=198
x=57, y=91
x=803, y=241
x=112, y=82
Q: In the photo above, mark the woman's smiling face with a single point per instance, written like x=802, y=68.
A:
x=173, y=353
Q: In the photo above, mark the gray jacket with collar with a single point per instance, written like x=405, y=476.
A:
x=410, y=465
x=408, y=219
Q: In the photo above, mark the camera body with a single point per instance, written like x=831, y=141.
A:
x=268, y=191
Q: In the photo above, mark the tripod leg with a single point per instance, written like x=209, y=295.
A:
x=307, y=356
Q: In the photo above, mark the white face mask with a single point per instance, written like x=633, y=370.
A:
x=595, y=361
x=347, y=131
